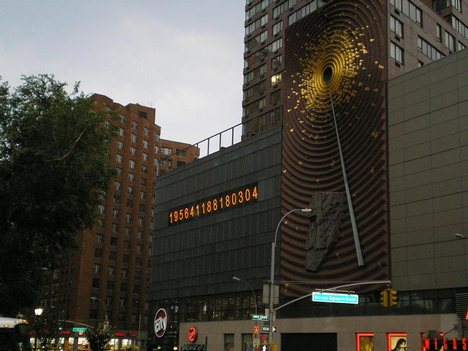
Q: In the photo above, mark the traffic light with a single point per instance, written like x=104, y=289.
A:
x=384, y=302
x=393, y=297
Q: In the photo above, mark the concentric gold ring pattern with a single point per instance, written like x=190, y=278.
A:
x=336, y=54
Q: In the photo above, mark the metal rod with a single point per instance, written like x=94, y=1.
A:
x=357, y=243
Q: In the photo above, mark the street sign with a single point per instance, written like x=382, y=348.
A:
x=330, y=297
x=265, y=329
x=259, y=317
x=79, y=329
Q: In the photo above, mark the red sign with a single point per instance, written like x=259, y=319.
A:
x=160, y=322
x=192, y=334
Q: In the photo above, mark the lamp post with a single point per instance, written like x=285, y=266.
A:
x=237, y=279
x=38, y=311
x=272, y=269
x=94, y=298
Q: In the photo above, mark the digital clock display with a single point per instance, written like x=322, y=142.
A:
x=214, y=204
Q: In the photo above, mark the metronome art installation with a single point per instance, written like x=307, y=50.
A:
x=334, y=141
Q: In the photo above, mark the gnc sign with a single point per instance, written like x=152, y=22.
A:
x=160, y=322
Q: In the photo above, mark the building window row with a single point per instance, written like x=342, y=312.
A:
x=429, y=50
x=409, y=9
x=255, y=73
x=254, y=91
x=460, y=27
x=259, y=39
x=257, y=8
x=262, y=21
x=278, y=10
x=455, y=3
x=305, y=10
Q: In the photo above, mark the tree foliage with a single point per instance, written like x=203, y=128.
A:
x=99, y=336
x=54, y=164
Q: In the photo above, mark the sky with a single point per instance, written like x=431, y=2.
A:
x=182, y=57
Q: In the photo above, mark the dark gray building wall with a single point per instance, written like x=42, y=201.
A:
x=200, y=257
x=428, y=175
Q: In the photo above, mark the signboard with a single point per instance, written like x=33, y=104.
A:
x=160, y=322
x=257, y=317
x=330, y=297
x=79, y=329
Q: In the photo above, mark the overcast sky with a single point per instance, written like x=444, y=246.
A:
x=182, y=57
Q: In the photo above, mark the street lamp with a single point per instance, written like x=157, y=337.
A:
x=38, y=311
x=237, y=279
x=94, y=298
x=272, y=268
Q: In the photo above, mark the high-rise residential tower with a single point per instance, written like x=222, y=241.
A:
x=417, y=32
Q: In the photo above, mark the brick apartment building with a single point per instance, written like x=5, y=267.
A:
x=108, y=273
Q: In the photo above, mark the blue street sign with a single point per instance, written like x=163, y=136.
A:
x=330, y=297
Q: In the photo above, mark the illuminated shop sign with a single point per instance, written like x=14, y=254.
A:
x=446, y=344
x=192, y=334
x=160, y=323
x=214, y=204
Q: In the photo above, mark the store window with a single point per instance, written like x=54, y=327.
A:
x=228, y=342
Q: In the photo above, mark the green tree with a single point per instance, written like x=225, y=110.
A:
x=54, y=165
x=99, y=336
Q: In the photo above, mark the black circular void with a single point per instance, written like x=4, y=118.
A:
x=327, y=74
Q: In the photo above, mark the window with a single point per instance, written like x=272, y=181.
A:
x=130, y=190
x=124, y=274
x=396, y=26
x=131, y=164
x=128, y=218
x=117, y=186
x=95, y=283
x=118, y=158
x=254, y=74
x=111, y=271
x=97, y=268
x=145, y=144
x=128, y=232
x=142, y=114
x=120, y=144
x=277, y=27
x=115, y=213
x=98, y=252
x=131, y=177
x=409, y=9
x=276, y=62
x=276, y=79
x=460, y=46
x=134, y=125
x=100, y=223
x=460, y=27
x=132, y=151
x=455, y=3
x=122, y=118
x=121, y=131
x=102, y=209
x=439, y=31
x=449, y=41
x=256, y=25
x=99, y=238
x=118, y=170
x=396, y=53
x=113, y=241
x=115, y=228
x=166, y=151
x=429, y=50
x=133, y=137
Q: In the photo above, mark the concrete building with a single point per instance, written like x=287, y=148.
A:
x=109, y=272
x=373, y=144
